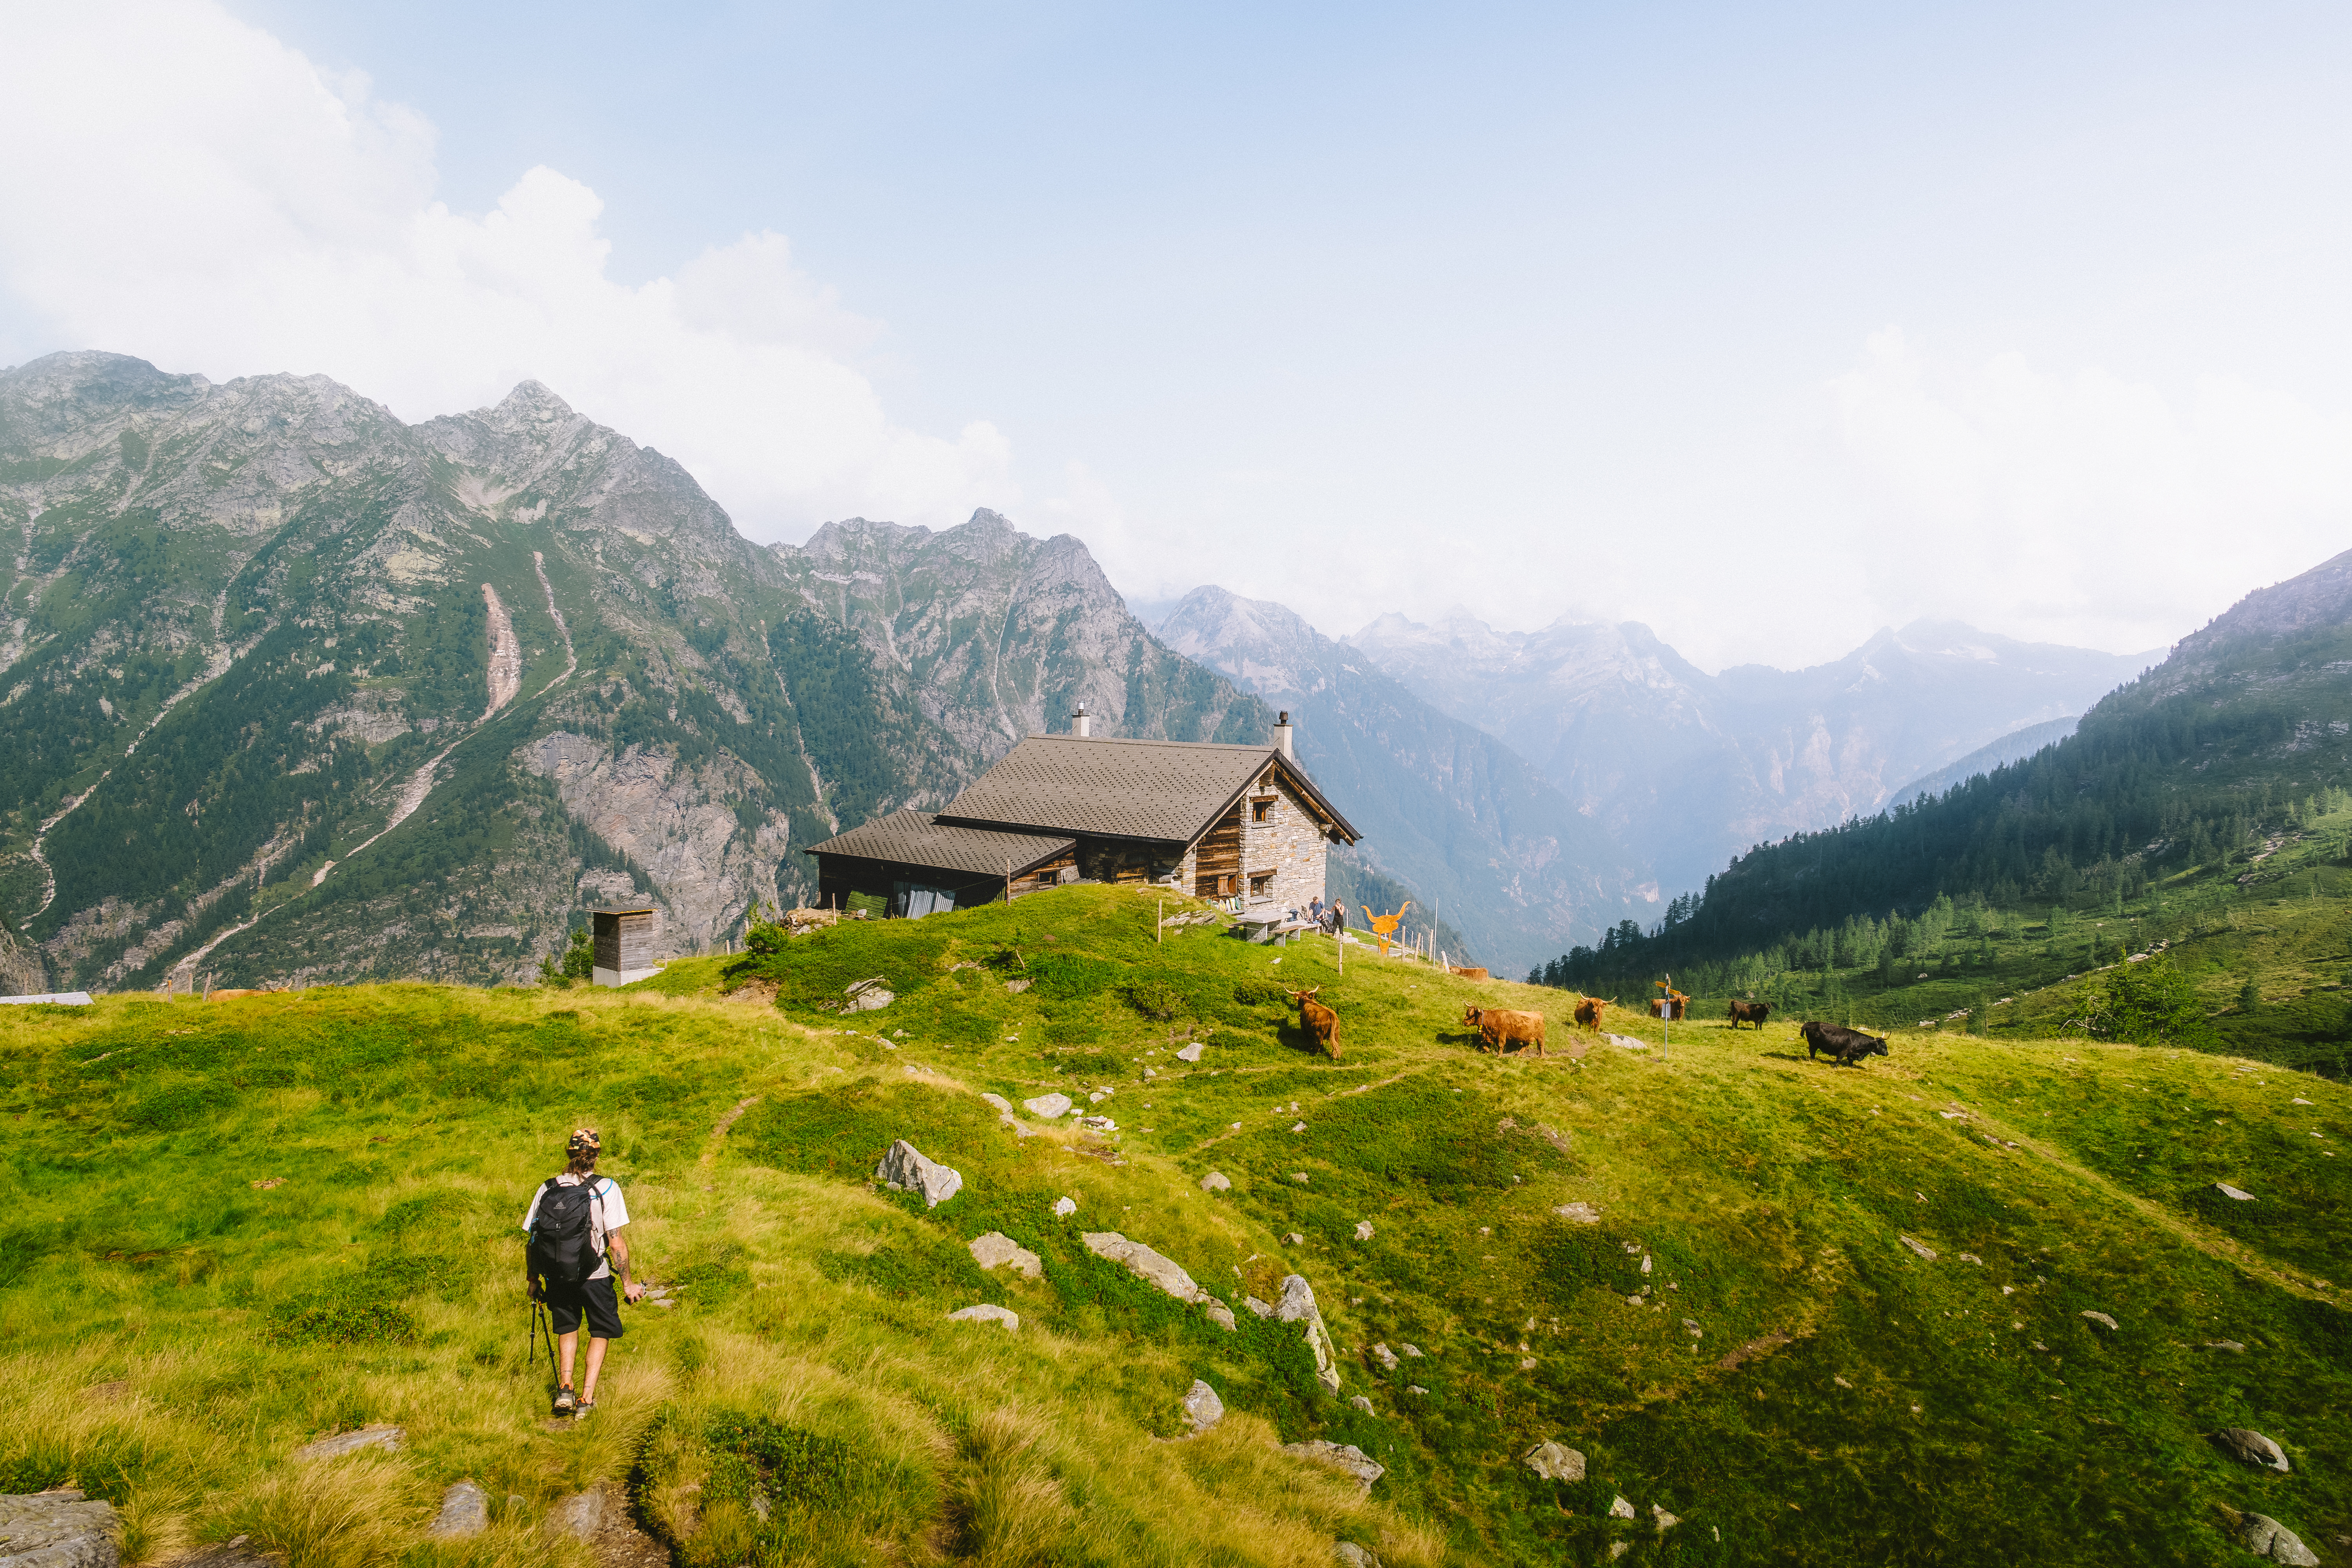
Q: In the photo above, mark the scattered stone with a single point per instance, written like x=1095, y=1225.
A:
x=1972, y=1258
x=1621, y=1509
x=1144, y=1264
x=380, y=1435
x=1555, y=1461
x=1048, y=1106
x=1219, y=1313
x=1064, y=1206
x=1362, y=1404
x=1363, y=1230
x=1202, y=1408
x=1691, y=1327
x=1840, y=1383
x=1618, y=1549
x=58, y=1530
x=263, y=1183
x=1099, y=1124
x=1191, y=1053
x=1262, y=1308
x=2266, y=1537
x=988, y=1313
x=1297, y=1305
x=1579, y=1214
x=1350, y=1555
x=1526, y=1364
x=1298, y=1127
x=1416, y=1388
x=905, y=1170
x=2253, y=1447
x=1216, y=1182
x=1098, y=1096
x=578, y=1516
x=1385, y=1356
x=1666, y=1520
x=2239, y=1194
x=996, y=1247
x=998, y=1101
x=1016, y=987
x=865, y=997
x=2101, y=1318
x=1413, y=1351
x=1646, y=1263
x=2233, y=1346
x=1345, y=1456
x=1298, y=1176
x=237, y=1552
x=1629, y=1043
x=2299, y=1100
x=1294, y=1239
x=465, y=1512
x=1922, y=1248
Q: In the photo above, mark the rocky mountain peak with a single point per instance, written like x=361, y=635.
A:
x=532, y=405
x=2321, y=597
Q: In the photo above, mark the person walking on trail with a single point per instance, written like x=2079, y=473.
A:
x=574, y=1220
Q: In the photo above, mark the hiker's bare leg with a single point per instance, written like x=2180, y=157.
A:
x=566, y=1344
x=595, y=1365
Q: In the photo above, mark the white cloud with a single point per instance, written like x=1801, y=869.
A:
x=2079, y=506
x=185, y=188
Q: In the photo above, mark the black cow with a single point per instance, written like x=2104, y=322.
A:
x=1848, y=1046
x=1750, y=1012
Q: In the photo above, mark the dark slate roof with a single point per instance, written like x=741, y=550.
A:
x=1164, y=791
x=914, y=838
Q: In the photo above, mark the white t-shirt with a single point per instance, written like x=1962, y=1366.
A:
x=607, y=1213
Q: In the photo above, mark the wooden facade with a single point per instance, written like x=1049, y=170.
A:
x=627, y=943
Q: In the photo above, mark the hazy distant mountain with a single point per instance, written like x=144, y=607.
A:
x=1454, y=813
x=1687, y=768
x=2010, y=748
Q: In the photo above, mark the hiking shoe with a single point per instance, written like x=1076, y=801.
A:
x=580, y=1414
x=566, y=1401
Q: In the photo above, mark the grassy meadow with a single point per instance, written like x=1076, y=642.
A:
x=232, y=1228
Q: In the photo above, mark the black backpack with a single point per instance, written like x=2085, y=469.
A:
x=560, y=1251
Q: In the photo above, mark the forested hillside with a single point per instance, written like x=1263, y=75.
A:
x=2190, y=781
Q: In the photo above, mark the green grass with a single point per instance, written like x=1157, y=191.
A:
x=1844, y=1399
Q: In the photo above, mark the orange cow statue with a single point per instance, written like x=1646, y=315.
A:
x=1384, y=926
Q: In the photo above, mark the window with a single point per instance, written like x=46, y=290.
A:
x=1261, y=884
x=1262, y=811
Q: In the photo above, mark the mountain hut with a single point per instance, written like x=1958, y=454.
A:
x=1240, y=824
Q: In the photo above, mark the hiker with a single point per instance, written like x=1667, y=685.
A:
x=573, y=1218
x=1315, y=911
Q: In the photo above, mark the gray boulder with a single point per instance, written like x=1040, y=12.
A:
x=1217, y=1312
x=1144, y=1263
x=2101, y=1319
x=1555, y=1461
x=465, y=1512
x=1385, y=1356
x=380, y=1435
x=996, y=1249
x=2253, y=1448
x=1202, y=1408
x=1048, y=1106
x=1262, y=1308
x=1342, y=1455
x=1620, y=1509
x=905, y=1170
x=2266, y=1537
x=237, y=1552
x=1347, y=1555
x=1297, y=1306
x=2239, y=1194
x=988, y=1313
x=1191, y=1053
x=865, y=997
x=1362, y=1404
x=58, y=1530
x=1215, y=1181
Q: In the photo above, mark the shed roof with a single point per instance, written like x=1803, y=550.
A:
x=915, y=838
x=1163, y=790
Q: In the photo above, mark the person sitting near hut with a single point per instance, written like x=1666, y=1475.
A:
x=572, y=1220
x=1314, y=910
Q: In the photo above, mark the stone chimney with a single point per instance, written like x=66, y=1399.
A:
x=1081, y=725
x=1282, y=737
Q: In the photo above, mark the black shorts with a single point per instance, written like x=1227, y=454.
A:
x=593, y=1297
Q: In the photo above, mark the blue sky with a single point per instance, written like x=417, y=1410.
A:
x=1767, y=326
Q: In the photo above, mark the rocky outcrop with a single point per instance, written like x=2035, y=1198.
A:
x=1340, y=1456
x=1297, y=1306
x=1145, y=1264
x=996, y=1249
x=905, y=1169
x=58, y=1530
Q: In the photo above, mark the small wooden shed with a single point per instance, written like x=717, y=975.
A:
x=628, y=939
